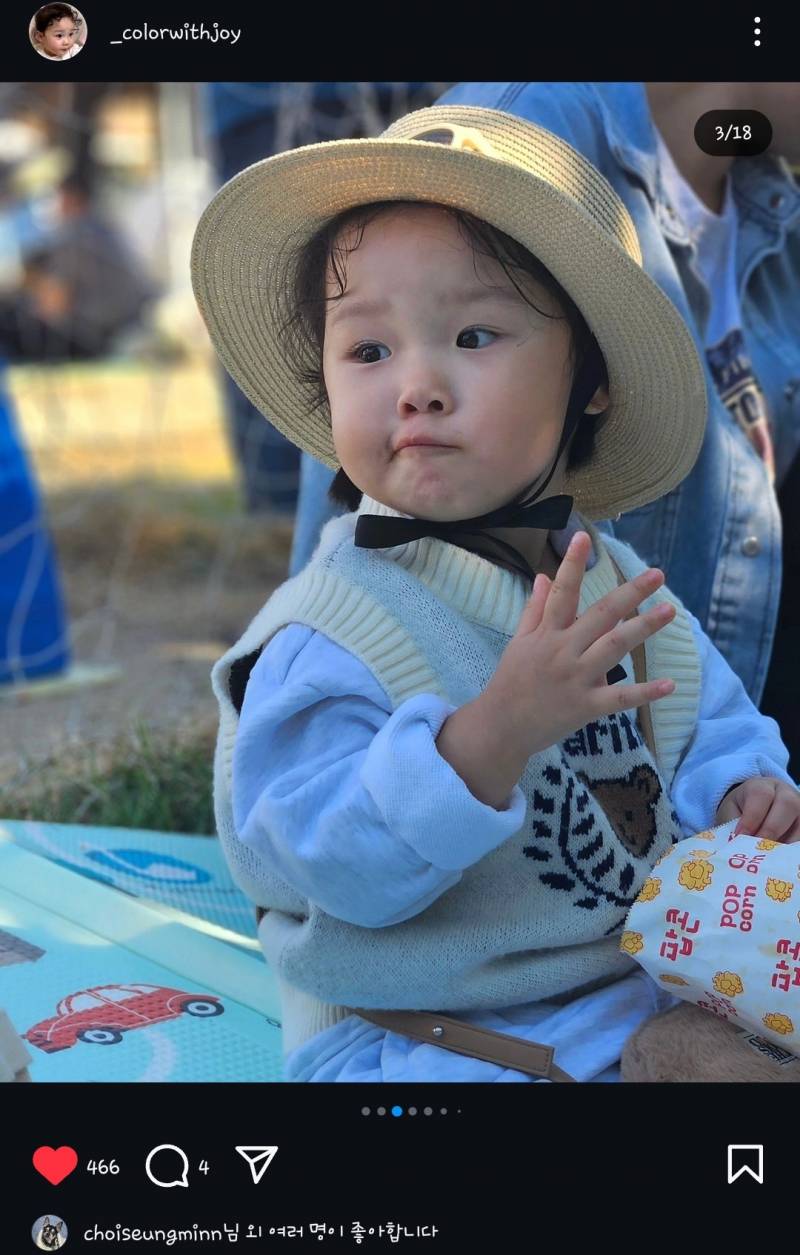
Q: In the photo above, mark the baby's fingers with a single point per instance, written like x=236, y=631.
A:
x=531, y=615
x=622, y=639
x=565, y=590
x=615, y=697
x=776, y=823
x=793, y=834
x=755, y=807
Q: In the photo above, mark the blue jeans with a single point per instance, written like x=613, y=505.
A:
x=269, y=464
x=314, y=509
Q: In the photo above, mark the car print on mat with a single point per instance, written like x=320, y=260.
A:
x=101, y=1015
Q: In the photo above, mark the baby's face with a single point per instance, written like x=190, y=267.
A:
x=432, y=344
x=59, y=37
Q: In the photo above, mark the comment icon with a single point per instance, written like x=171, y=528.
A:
x=170, y=1157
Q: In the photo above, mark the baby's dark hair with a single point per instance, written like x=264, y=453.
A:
x=302, y=303
x=50, y=13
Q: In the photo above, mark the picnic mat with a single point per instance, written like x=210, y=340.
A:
x=131, y=956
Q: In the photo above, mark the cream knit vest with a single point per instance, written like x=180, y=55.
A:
x=540, y=916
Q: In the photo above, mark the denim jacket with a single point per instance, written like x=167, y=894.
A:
x=717, y=536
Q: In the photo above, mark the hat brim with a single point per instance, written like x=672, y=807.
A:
x=653, y=428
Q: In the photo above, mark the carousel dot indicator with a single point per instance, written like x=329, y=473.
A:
x=412, y=1111
x=428, y=1111
x=365, y=1111
x=381, y=1111
x=397, y=1111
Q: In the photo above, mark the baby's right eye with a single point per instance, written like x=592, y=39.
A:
x=369, y=352
x=474, y=334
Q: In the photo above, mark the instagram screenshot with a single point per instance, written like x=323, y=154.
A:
x=399, y=684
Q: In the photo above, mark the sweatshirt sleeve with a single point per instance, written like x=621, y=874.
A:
x=731, y=743
x=348, y=802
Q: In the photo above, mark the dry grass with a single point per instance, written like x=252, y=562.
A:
x=178, y=571
x=161, y=570
x=166, y=532
x=144, y=779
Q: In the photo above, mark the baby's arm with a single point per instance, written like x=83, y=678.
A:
x=348, y=802
x=732, y=742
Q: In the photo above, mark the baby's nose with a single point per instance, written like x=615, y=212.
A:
x=422, y=399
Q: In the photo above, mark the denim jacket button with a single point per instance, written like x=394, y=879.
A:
x=751, y=546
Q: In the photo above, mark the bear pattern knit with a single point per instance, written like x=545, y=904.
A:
x=568, y=839
x=538, y=916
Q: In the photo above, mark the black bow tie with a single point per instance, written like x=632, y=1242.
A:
x=384, y=531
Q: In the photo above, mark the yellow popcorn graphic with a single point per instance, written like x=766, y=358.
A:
x=728, y=983
x=669, y=979
x=705, y=835
x=778, y=1022
x=696, y=874
x=649, y=890
x=767, y=845
x=631, y=943
x=780, y=890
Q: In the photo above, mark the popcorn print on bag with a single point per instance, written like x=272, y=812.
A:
x=779, y=1023
x=728, y=923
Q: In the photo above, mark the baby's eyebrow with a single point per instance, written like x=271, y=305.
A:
x=482, y=292
x=356, y=309
x=346, y=307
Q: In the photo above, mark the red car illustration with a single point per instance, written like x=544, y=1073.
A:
x=101, y=1015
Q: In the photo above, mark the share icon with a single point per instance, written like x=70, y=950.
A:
x=258, y=1159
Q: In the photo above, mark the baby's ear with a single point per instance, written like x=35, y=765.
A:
x=599, y=401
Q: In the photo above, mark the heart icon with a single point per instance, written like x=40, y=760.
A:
x=55, y=1165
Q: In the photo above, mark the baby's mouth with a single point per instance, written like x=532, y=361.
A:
x=426, y=444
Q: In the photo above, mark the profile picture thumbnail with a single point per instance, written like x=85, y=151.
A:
x=57, y=31
x=49, y=1233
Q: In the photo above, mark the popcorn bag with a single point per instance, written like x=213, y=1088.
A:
x=718, y=923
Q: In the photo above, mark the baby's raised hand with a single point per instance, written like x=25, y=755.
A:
x=765, y=807
x=551, y=679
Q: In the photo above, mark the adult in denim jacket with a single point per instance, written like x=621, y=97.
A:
x=718, y=535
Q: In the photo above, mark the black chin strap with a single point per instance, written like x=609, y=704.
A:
x=378, y=531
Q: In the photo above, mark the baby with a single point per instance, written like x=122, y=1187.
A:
x=427, y=776
x=55, y=31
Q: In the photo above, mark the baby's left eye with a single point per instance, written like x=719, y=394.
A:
x=475, y=338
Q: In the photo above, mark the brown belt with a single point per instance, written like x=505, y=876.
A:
x=466, y=1039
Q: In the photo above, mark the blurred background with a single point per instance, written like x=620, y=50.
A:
x=145, y=510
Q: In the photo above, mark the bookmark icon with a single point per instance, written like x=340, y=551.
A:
x=258, y=1159
x=749, y=1159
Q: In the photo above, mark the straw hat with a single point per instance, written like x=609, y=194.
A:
x=522, y=179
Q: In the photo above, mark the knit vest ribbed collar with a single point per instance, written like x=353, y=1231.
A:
x=480, y=590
